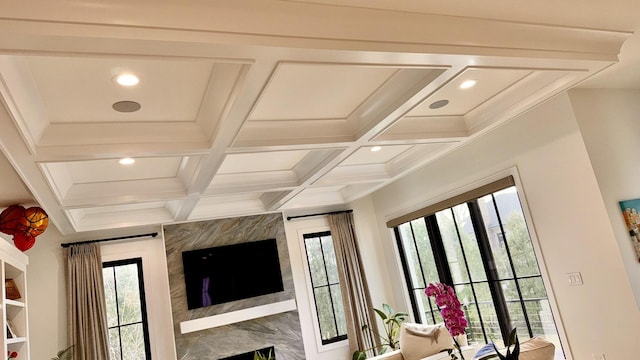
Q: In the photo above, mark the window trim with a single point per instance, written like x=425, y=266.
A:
x=143, y=303
x=454, y=200
x=310, y=295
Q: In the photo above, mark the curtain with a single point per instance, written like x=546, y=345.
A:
x=353, y=284
x=86, y=309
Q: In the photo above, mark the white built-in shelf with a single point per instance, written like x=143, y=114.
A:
x=13, y=265
x=237, y=316
x=16, y=340
x=14, y=303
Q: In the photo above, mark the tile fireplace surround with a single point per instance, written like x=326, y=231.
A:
x=280, y=330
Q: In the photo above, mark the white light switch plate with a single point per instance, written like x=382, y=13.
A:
x=575, y=278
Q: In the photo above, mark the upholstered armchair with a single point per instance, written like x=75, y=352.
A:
x=432, y=342
x=425, y=342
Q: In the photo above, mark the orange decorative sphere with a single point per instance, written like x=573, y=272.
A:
x=35, y=221
x=10, y=219
x=23, y=224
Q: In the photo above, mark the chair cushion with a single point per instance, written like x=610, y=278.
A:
x=531, y=349
x=418, y=341
x=537, y=348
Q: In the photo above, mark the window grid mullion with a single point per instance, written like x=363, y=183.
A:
x=115, y=290
x=513, y=268
x=489, y=265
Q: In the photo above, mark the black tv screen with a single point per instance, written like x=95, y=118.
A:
x=232, y=272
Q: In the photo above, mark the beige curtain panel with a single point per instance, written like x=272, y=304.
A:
x=353, y=284
x=86, y=309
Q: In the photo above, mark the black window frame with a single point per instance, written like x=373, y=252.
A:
x=339, y=337
x=440, y=259
x=143, y=303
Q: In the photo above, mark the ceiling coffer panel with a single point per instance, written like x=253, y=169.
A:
x=316, y=103
x=169, y=90
x=302, y=91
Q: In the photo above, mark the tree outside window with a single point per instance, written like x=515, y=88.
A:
x=325, y=282
x=126, y=310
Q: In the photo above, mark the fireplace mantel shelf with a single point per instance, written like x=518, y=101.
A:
x=237, y=316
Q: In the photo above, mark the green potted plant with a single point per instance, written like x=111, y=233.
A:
x=260, y=356
x=391, y=321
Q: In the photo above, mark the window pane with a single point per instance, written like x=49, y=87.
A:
x=114, y=344
x=110, y=296
x=452, y=247
x=469, y=242
x=411, y=254
x=532, y=288
x=315, y=260
x=336, y=297
x=133, y=342
x=516, y=233
x=516, y=313
x=325, y=313
x=425, y=253
x=541, y=319
x=128, y=294
x=496, y=237
x=330, y=259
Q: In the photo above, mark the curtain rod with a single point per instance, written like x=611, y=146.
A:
x=318, y=214
x=66, y=245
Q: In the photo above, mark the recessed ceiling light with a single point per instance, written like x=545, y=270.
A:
x=376, y=148
x=127, y=79
x=127, y=161
x=467, y=84
x=438, y=104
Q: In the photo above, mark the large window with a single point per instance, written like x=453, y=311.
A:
x=126, y=311
x=326, y=286
x=483, y=249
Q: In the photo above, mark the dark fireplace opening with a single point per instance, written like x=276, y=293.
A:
x=249, y=355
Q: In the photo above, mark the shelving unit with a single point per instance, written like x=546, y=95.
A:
x=13, y=265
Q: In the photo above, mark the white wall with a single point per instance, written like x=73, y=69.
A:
x=46, y=290
x=573, y=231
x=610, y=124
x=313, y=348
x=156, y=288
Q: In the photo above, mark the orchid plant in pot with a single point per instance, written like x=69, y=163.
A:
x=451, y=311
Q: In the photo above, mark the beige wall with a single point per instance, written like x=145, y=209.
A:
x=46, y=292
x=545, y=151
x=609, y=121
x=46, y=289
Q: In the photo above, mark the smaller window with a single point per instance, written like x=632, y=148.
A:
x=323, y=269
x=126, y=310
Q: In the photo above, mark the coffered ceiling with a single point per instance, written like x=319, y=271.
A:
x=258, y=106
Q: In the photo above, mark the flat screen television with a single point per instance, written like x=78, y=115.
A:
x=232, y=272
